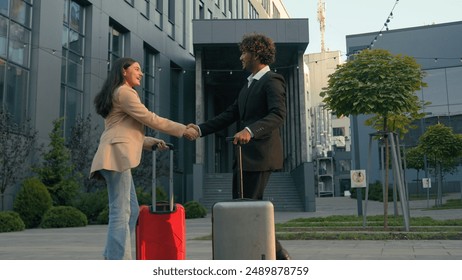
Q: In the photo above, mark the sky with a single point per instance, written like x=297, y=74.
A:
x=348, y=17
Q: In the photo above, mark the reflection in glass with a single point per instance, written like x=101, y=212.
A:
x=20, y=12
x=75, y=21
x=3, y=35
x=19, y=44
x=73, y=108
x=74, y=71
x=16, y=89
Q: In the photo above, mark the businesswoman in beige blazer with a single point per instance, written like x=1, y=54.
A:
x=120, y=149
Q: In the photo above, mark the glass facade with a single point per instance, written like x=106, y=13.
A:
x=444, y=91
x=15, y=47
x=73, y=38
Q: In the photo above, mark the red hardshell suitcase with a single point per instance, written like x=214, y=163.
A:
x=161, y=230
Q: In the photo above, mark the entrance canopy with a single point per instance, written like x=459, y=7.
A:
x=218, y=40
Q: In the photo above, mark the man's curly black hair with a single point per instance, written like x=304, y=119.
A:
x=260, y=45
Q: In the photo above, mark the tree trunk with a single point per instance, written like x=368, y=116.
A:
x=385, y=193
x=439, y=195
x=417, y=183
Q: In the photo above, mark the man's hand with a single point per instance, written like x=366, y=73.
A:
x=242, y=137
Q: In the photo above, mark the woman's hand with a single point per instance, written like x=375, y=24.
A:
x=150, y=142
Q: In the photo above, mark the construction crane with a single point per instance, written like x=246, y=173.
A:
x=322, y=22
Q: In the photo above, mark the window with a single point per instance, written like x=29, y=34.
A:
x=240, y=8
x=345, y=165
x=159, y=13
x=252, y=11
x=15, y=39
x=116, y=44
x=149, y=83
x=171, y=11
x=171, y=19
x=14, y=83
x=159, y=6
x=338, y=131
x=201, y=10
x=276, y=13
x=149, y=78
x=266, y=6
x=19, y=44
x=72, y=63
x=230, y=9
x=3, y=36
x=130, y=2
x=145, y=9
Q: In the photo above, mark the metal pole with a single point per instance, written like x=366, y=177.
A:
x=367, y=180
x=396, y=167
x=403, y=173
x=171, y=180
x=428, y=197
x=153, y=187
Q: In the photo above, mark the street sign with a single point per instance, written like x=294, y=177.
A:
x=426, y=183
x=358, y=178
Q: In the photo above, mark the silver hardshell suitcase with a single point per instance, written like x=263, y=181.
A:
x=243, y=229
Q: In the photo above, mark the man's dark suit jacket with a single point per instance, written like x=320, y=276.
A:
x=262, y=108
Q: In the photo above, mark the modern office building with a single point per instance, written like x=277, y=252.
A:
x=438, y=49
x=329, y=134
x=55, y=55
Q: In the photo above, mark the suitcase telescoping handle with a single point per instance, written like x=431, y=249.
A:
x=240, y=180
x=170, y=178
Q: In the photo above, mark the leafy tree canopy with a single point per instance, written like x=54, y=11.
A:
x=440, y=143
x=377, y=82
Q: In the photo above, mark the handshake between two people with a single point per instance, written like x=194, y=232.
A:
x=192, y=132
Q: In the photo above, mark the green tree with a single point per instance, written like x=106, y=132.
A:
x=377, y=83
x=443, y=148
x=16, y=144
x=415, y=159
x=56, y=170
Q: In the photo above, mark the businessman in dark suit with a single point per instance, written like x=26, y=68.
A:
x=259, y=111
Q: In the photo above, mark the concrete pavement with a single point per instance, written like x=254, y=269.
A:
x=86, y=243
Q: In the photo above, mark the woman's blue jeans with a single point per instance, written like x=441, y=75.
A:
x=123, y=214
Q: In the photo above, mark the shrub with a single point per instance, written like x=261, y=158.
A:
x=11, y=221
x=91, y=204
x=32, y=202
x=145, y=198
x=375, y=192
x=63, y=216
x=103, y=216
x=194, y=210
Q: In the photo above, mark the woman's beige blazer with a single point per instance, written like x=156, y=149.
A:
x=122, y=140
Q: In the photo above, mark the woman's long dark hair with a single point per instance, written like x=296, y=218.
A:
x=115, y=78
